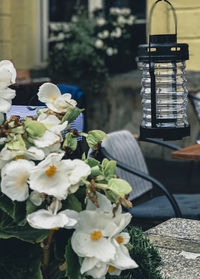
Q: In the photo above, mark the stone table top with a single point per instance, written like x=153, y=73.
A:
x=178, y=242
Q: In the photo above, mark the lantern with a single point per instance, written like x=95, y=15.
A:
x=164, y=92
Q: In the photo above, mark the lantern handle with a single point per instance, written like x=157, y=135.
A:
x=173, y=11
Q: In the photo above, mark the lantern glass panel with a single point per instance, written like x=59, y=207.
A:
x=171, y=94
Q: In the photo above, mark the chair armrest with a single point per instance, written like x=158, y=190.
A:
x=163, y=143
x=149, y=178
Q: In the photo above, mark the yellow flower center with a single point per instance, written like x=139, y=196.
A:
x=111, y=268
x=96, y=235
x=51, y=171
x=19, y=157
x=52, y=98
x=55, y=229
x=120, y=239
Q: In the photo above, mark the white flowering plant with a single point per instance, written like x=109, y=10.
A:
x=114, y=37
x=73, y=56
x=64, y=214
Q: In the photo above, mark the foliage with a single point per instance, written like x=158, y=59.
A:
x=86, y=49
x=73, y=58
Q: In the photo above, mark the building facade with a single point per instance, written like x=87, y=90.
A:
x=24, y=27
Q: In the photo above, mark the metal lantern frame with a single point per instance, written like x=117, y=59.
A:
x=162, y=49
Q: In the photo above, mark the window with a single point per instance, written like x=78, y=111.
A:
x=62, y=10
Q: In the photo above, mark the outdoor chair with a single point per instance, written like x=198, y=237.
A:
x=122, y=147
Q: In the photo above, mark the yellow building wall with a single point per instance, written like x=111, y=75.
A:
x=188, y=16
x=18, y=32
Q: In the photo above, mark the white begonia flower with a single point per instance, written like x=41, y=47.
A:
x=130, y=20
x=115, y=11
x=101, y=21
x=52, y=123
x=125, y=11
x=96, y=228
x=74, y=18
x=91, y=238
x=99, y=43
x=7, y=77
x=104, y=34
x=109, y=51
x=66, y=27
x=14, y=179
x=97, y=268
x=54, y=176
x=7, y=73
x=32, y=153
x=121, y=19
x=45, y=219
x=116, y=33
x=50, y=94
x=61, y=36
x=59, y=46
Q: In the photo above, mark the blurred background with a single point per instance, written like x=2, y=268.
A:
x=93, y=44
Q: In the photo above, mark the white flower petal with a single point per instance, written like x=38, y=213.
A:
x=121, y=222
x=14, y=179
x=44, y=219
x=93, y=220
x=123, y=260
x=7, y=73
x=84, y=246
x=48, y=92
x=99, y=271
x=5, y=105
x=104, y=204
x=7, y=93
x=48, y=139
x=88, y=264
x=57, y=183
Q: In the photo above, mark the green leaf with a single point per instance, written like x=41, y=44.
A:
x=30, y=207
x=72, y=203
x=104, y=163
x=9, y=229
x=92, y=162
x=34, y=128
x=72, y=262
x=70, y=142
x=109, y=170
x=119, y=187
x=19, y=260
x=94, y=137
x=71, y=114
x=16, y=144
x=16, y=210
x=95, y=171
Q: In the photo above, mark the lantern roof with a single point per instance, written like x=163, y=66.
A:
x=163, y=48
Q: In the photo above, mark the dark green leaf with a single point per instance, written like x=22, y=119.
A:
x=19, y=260
x=72, y=262
x=72, y=203
x=9, y=229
